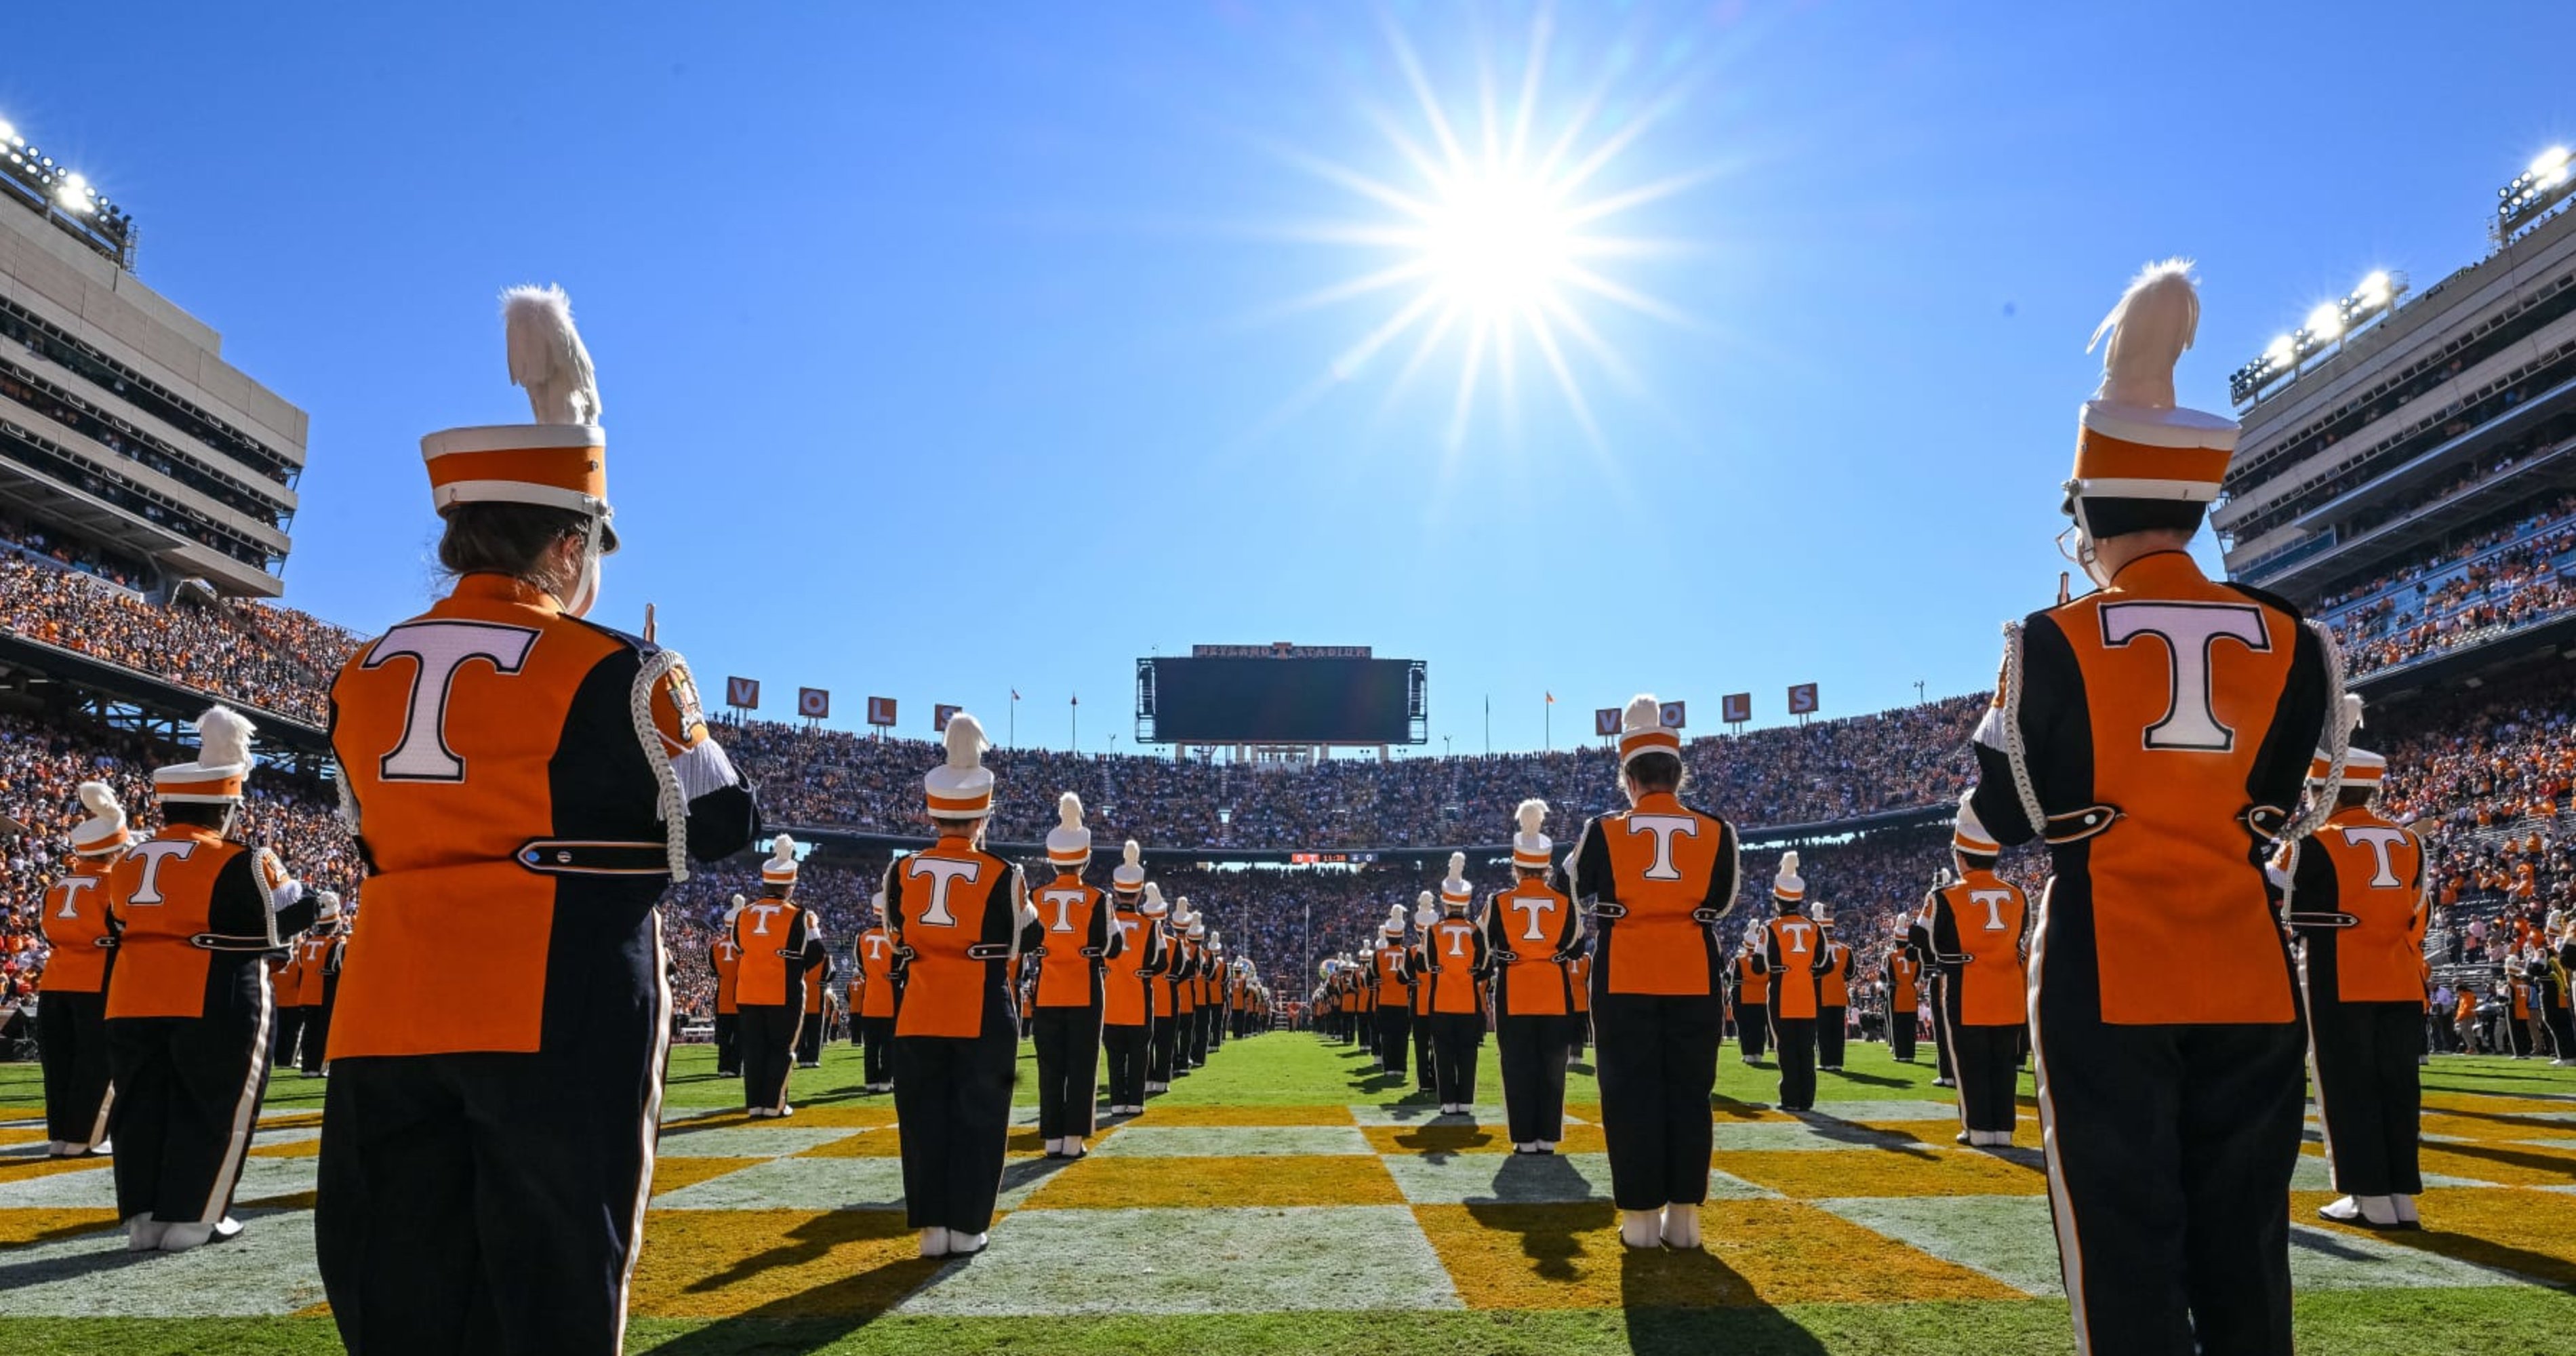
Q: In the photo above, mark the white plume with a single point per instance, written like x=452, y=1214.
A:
x=100, y=800
x=1457, y=865
x=1134, y=856
x=2154, y=322
x=1068, y=810
x=547, y=357
x=223, y=737
x=2352, y=710
x=966, y=745
x=1532, y=815
x=1788, y=864
x=782, y=851
x=1644, y=713
x=739, y=901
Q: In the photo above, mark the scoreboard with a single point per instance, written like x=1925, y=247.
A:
x=1281, y=695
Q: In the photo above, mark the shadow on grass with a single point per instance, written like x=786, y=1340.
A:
x=1688, y=1303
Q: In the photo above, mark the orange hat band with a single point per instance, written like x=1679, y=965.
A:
x=2353, y=773
x=1531, y=861
x=2099, y=456
x=1073, y=857
x=199, y=789
x=1960, y=842
x=961, y=806
x=1648, y=741
x=571, y=470
x=1781, y=892
x=106, y=842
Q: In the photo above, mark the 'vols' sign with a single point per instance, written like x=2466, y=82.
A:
x=1605, y=722
x=813, y=703
x=939, y=717
x=881, y=711
x=1672, y=714
x=1802, y=700
x=742, y=694
x=1737, y=706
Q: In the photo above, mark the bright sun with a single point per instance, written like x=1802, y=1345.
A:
x=1496, y=236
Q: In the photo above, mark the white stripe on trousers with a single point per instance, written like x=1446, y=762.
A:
x=245, y=1111
x=2070, y=1248
x=652, y=1122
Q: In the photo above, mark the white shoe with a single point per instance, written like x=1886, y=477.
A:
x=227, y=1229
x=1073, y=1147
x=2342, y=1210
x=181, y=1237
x=784, y=1110
x=2406, y=1216
x=2379, y=1212
x=1681, y=1226
x=966, y=1245
x=1641, y=1228
x=99, y=1150
x=143, y=1233
x=934, y=1242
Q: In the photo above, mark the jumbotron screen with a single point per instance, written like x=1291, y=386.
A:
x=1285, y=701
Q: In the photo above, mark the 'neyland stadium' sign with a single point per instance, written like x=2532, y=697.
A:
x=1279, y=649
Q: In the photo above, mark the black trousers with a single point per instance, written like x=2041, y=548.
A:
x=288, y=1027
x=952, y=1105
x=71, y=1032
x=2368, y=1096
x=1753, y=1028
x=1201, y=1022
x=768, y=1052
x=858, y=1039
x=1942, y=1066
x=728, y=1045
x=1068, y=1048
x=317, y=1035
x=1830, y=1025
x=1127, y=1046
x=1534, y=1052
x=187, y=1101
x=492, y=1203
x=1901, y=1027
x=809, y=1039
x=876, y=1058
x=1657, y=1065
x=1424, y=1077
x=2170, y=1150
x=1988, y=1059
x=1454, y=1039
x=1394, y=1036
x=2562, y=1028
x=1795, y=1039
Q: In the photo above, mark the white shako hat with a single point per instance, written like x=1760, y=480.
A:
x=1531, y=850
x=104, y=832
x=734, y=908
x=1154, y=907
x=1823, y=912
x=2361, y=767
x=222, y=767
x=1968, y=833
x=1394, y=925
x=1183, y=916
x=780, y=869
x=1642, y=730
x=1426, y=909
x=1788, y=887
x=876, y=905
x=1068, y=844
x=1198, y=926
x=961, y=787
x=2132, y=440
x=560, y=460
x=1455, y=892
x=326, y=906
x=1129, y=878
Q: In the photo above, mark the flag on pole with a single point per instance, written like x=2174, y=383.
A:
x=1015, y=694
x=1551, y=699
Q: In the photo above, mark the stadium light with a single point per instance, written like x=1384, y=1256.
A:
x=65, y=197
x=2374, y=296
x=2548, y=182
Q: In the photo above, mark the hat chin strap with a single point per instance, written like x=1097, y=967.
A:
x=585, y=587
x=2087, y=555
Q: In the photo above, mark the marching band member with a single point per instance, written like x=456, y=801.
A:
x=530, y=783
x=1901, y=979
x=198, y=915
x=1793, y=957
x=1203, y=963
x=880, y=989
x=1578, y=981
x=818, y=983
x=1189, y=957
x=1394, y=998
x=1833, y=992
x=1127, y=1006
x=779, y=955
x=1426, y=912
x=2156, y=733
x=286, y=980
x=1980, y=937
x=1918, y=948
x=2358, y=900
x=956, y=914
x=1454, y=951
x=724, y=957
x=318, y=956
x=1073, y=943
x=1752, y=998
x=1657, y=877
x=1529, y=929
x=71, y=1018
x=1164, y=1036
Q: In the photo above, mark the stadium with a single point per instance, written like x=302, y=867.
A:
x=2405, y=477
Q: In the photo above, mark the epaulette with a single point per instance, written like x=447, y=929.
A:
x=644, y=649
x=2267, y=598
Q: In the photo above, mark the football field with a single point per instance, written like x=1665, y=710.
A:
x=1283, y=1200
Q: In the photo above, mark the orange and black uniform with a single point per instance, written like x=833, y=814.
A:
x=316, y=968
x=1752, y=1005
x=490, y=1127
x=2357, y=901
x=955, y=913
x=873, y=996
x=189, y=1012
x=71, y=1018
x=725, y=959
x=1901, y=979
x=1793, y=959
x=1391, y=997
x=1424, y=1078
x=1073, y=943
x=1126, y=1005
x=1162, y=990
x=1657, y=878
x=1979, y=929
x=818, y=979
x=1833, y=1004
x=780, y=953
x=1918, y=948
x=286, y=981
x=1454, y=954
x=2166, y=724
x=1530, y=929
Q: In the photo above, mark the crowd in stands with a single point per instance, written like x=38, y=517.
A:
x=192, y=644
x=2467, y=590
x=37, y=542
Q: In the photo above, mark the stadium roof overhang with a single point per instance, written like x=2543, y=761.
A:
x=2429, y=465
x=2552, y=641
x=2404, y=536
x=88, y=675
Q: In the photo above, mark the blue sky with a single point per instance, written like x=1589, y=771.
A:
x=952, y=349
